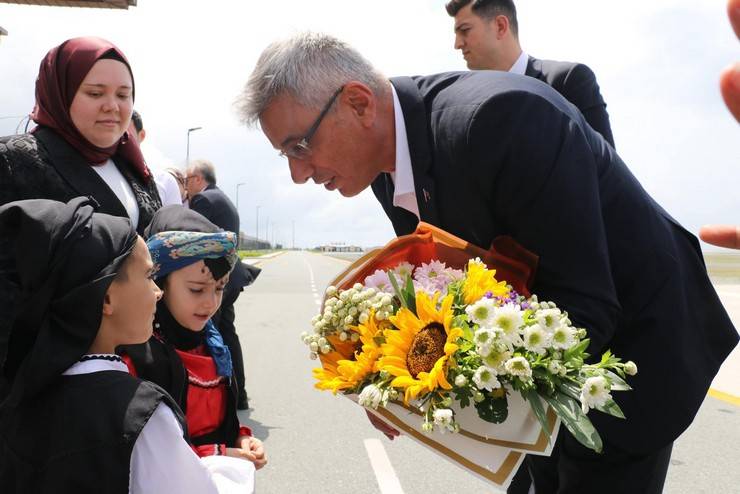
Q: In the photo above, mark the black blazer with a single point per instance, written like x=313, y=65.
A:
x=495, y=154
x=43, y=165
x=577, y=83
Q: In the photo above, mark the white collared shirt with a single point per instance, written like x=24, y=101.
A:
x=162, y=461
x=520, y=66
x=113, y=177
x=404, y=194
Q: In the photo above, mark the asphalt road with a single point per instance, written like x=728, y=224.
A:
x=320, y=443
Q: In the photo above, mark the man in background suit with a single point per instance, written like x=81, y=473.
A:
x=487, y=34
x=210, y=201
x=486, y=153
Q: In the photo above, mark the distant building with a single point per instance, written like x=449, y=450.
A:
x=96, y=4
x=339, y=247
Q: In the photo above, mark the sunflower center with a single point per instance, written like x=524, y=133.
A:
x=428, y=346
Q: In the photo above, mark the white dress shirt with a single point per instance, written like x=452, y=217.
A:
x=169, y=191
x=404, y=194
x=520, y=66
x=163, y=462
x=120, y=187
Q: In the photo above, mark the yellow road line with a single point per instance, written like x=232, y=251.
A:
x=726, y=397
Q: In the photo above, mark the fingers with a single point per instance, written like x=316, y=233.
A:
x=729, y=84
x=386, y=429
x=721, y=235
x=733, y=11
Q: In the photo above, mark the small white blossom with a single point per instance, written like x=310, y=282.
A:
x=484, y=337
x=554, y=367
x=325, y=349
x=481, y=312
x=427, y=427
x=331, y=290
x=518, y=366
x=595, y=393
x=563, y=338
x=370, y=396
x=343, y=336
x=549, y=319
x=485, y=378
x=630, y=368
x=443, y=419
x=461, y=380
x=536, y=339
x=363, y=318
x=478, y=397
x=314, y=347
x=496, y=360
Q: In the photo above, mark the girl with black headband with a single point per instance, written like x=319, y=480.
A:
x=186, y=354
x=72, y=419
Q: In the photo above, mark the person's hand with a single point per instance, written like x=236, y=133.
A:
x=386, y=429
x=721, y=235
x=251, y=449
x=729, y=81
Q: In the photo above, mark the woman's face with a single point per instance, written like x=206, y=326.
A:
x=101, y=109
x=193, y=296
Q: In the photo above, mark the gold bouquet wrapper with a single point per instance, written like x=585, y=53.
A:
x=492, y=452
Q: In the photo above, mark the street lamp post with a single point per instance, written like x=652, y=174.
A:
x=238, y=234
x=257, y=227
x=267, y=231
x=187, y=150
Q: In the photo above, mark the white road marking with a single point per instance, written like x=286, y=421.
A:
x=384, y=473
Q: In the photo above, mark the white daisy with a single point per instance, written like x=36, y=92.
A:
x=518, y=366
x=509, y=319
x=549, y=319
x=485, y=378
x=536, y=339
x=482, y=312
x=370, y=396
x=563, y=337
x=595, y=393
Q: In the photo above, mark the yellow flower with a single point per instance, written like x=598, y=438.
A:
x=417, y=352
x=479, y=280
x=339, y=372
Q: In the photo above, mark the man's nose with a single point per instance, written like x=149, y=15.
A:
x=300, y=171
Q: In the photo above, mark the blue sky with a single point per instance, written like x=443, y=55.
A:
x=657, y=63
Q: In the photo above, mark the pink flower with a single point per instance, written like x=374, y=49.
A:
x=379, y=280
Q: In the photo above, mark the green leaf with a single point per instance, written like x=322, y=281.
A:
x=617, y=383
x=571, y=389
x=396, y=289
x=569, y=411
x=611, y=408
x=539, y=410
x=577, y=350
x=494, y=410
x=410, y=293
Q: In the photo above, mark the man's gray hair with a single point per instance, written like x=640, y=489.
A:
x=309, y=67
x=204, y=168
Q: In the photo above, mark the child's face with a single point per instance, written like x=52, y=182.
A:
x=193, y=296
x=134, y=297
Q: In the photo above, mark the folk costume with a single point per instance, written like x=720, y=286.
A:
x=194, y=367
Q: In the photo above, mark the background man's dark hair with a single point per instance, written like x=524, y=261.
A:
x=136, y=119
x=487, y=9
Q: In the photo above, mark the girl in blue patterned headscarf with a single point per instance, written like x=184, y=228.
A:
x=186, y=355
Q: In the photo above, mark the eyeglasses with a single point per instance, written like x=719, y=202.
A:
x=300, y=149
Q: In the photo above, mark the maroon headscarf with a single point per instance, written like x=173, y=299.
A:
x=61, y=73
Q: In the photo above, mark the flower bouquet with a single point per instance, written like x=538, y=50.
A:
x=443, y=340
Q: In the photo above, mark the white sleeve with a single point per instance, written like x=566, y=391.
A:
x=168, y=189
x=163, y=462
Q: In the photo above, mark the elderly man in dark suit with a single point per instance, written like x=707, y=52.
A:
x=487, y=153
x=210, y=201
x=487, y=34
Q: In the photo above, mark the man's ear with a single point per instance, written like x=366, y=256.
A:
x=142, y=135
x=108, y=304
x=361, y=100
x=502, y=26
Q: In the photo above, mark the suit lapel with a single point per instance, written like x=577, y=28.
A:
x=534, y=69
x=417, y=132
x=78, y=174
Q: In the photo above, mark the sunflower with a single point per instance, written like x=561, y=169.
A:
x=417, y=352
x=339, y=372
x=479, y=280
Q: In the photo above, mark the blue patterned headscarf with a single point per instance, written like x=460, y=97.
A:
x=173, y=250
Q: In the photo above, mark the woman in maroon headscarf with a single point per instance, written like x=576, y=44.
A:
x=81, y=147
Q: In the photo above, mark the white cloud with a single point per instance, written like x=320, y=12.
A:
x=657, y=63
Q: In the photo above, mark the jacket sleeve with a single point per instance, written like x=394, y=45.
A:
x=201, y=204
x=581, y=89
x=534, y=164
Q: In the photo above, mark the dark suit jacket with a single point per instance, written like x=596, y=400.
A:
x=577, y=83
x=219, y=210
x=500, y=154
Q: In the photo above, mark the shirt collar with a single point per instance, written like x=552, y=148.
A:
x=96, y=365
x=403, y=176
x=520, y=66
